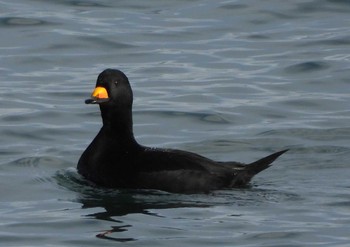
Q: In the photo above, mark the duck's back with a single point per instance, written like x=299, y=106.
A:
x=180, y=171
x=152, y=168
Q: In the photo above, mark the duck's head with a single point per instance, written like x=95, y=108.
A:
x=112, y=89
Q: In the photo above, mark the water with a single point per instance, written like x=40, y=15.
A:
x=231, y=80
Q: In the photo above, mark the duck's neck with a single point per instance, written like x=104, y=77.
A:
x=118, y=123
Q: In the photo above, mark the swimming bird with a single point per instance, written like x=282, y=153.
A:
x=115, y=159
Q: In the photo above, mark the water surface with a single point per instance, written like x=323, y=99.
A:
x=227, y=79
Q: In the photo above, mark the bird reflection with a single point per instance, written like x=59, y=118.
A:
x=112, y=204
x=117, y=203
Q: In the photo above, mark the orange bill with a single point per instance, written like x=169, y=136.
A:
x=99, y=95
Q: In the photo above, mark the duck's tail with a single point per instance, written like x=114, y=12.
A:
x=244, y=175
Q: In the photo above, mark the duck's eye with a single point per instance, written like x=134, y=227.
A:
x=116, y=82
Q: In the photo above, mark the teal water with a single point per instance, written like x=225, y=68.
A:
x=230, y=80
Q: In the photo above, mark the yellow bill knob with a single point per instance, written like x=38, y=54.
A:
x=100, y=93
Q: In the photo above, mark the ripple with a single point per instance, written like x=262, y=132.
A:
x=87, y=4
x=21, y=21
x=307, y=67
x=343, y=41
x=22, y=116
x=337, y=6
x=204, y=117
x=233, y=6
x=312, y=133
x=37, y=161
x=106, y=43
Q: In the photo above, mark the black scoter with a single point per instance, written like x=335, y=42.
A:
x=114, y=158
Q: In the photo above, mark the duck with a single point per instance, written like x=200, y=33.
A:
x=114, y=159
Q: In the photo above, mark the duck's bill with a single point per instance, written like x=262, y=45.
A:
x=99, y=95
x=95, y=101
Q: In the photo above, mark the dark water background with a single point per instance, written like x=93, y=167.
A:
x=231, y=80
